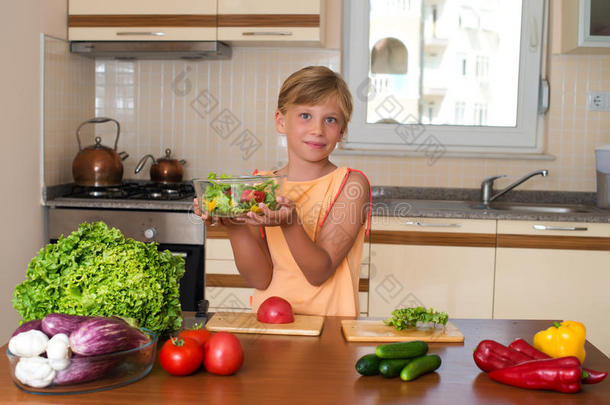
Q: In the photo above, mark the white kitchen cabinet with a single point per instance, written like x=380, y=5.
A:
x=580, y=26
x=555, y=274
x=271, y=21
x=142, y=20
x=446, y=264
x=226, y=290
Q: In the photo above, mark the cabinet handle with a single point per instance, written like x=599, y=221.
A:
x=270, y=33
x=560, y=228
x=148, y=33
x=432, y=225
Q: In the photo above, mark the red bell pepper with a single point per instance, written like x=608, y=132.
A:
x=491, y=355
x=562, y=374
x=589, y=376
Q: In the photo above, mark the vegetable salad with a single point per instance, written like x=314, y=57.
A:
x=223, y=197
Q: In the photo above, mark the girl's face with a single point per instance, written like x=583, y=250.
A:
x=312, y=131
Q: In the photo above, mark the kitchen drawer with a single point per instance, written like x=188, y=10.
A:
x=118, y=7
x=218, y=249
x=274, y=21
x=453, y=225
x=269, y=34
x=143, y=34
x=527, y=228
x=142, y=20
x=269, y=7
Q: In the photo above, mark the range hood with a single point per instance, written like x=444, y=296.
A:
x=152, y=49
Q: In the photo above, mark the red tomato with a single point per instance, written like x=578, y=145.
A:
x=275, y=310
x=198, y=333
x=247, y=195
x=259, y=196
x=223, y=354
x=181, y=356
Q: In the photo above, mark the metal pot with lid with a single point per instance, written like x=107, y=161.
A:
x=165, y=169
x=98, y=165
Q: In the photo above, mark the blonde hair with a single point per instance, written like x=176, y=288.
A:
x=313, y=85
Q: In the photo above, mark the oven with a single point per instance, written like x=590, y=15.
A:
x=180, y=232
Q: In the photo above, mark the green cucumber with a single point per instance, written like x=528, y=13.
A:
x=368, y=365
x=420, y=366
x=402, y=350
x=391, y=368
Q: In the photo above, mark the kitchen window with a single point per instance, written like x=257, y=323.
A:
x=484, y=54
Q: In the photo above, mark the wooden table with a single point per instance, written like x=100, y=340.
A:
x=320, y=370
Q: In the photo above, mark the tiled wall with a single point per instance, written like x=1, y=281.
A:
x=218, y=115
x=175, y=104
x=69, y=93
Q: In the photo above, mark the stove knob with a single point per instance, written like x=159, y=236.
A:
x=150, y=233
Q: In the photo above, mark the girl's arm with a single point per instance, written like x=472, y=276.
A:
x=318, y=261
x=251, y=254
x=250, y=251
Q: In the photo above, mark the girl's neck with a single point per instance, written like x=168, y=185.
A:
x=305, y=171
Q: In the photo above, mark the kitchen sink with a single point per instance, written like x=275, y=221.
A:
x=540, y=208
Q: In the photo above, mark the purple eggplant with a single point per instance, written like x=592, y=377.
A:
x=102, y=335
x=53, y=324
x=84, y=369
x=36, y=324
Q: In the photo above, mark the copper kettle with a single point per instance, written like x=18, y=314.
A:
x=165, y=169
x=98, y=165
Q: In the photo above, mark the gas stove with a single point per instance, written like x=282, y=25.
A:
x=135, y=190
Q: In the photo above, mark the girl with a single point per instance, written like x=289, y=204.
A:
x=309, y=250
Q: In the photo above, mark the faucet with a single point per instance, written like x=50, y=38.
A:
x=487, y=195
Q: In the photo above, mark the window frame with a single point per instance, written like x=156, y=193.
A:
x=525, y=138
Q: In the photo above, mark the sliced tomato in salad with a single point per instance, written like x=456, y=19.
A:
x=247, y=195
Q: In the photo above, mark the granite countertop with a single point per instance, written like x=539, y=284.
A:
x=399, y=201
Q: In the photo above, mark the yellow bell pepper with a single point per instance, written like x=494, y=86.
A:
x=562, y=339
x=210, y=204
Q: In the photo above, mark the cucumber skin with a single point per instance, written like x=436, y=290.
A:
x=420, y=366
x=368, y=365
x=402, y=350
x=390, y=368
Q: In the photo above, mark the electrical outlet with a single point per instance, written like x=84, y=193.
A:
x=598, y=101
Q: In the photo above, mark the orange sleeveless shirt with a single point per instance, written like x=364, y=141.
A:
x=339, y=294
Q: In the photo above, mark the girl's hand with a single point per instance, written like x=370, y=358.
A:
x=209, y=220
x=284, y=215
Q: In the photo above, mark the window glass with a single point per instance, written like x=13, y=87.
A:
x=432, y=55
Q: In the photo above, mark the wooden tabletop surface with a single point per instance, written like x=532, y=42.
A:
x=320, y=370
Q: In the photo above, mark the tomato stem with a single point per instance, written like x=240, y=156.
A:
x=177, y=341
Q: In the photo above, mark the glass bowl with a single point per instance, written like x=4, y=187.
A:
x=103, y=372
x=236, y=196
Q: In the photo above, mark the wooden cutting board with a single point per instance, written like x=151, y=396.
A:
x=246, y=322
x=376, y=331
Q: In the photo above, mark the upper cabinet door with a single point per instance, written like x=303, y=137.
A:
x=142, y=20
x=273, y=21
